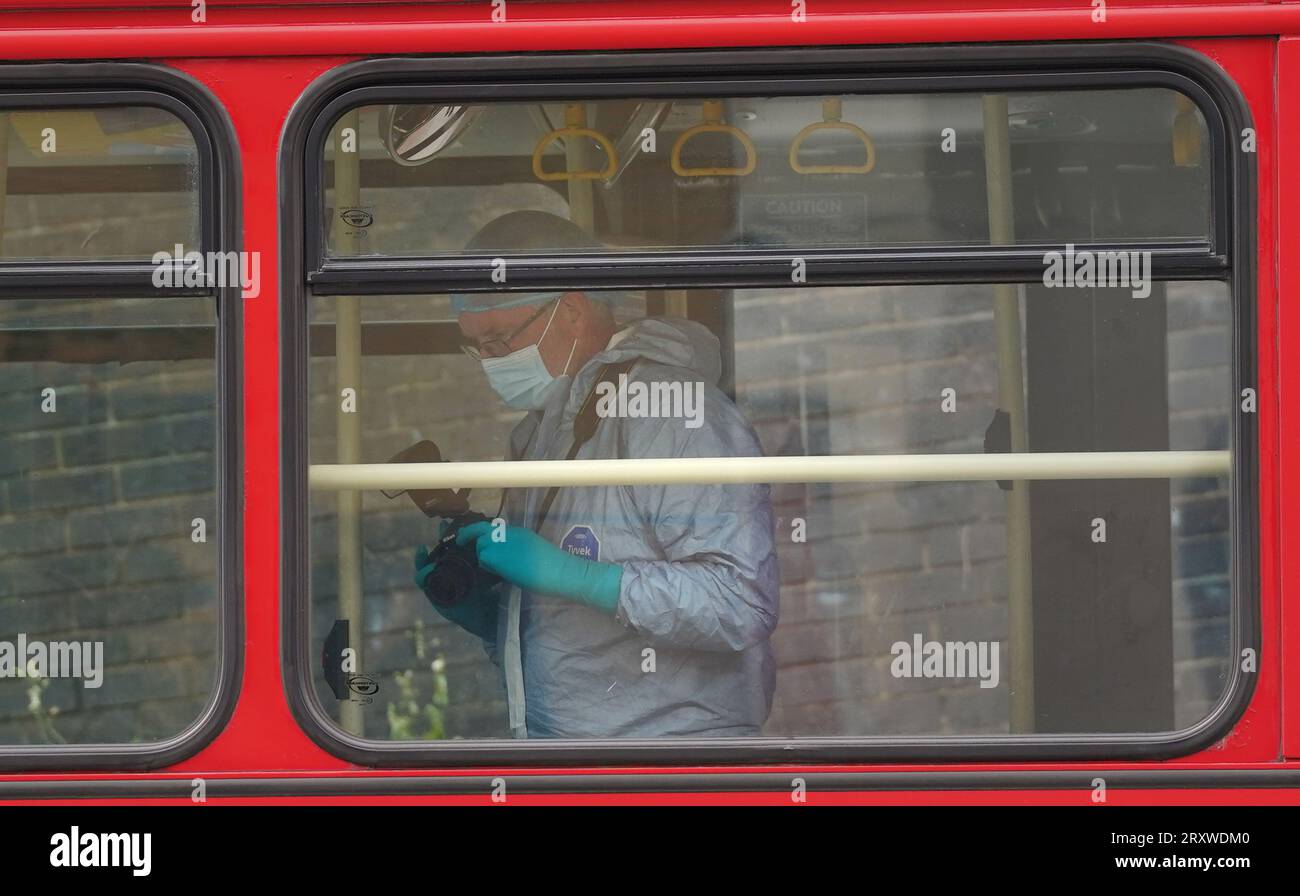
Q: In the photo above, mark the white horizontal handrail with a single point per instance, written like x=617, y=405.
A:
x=709, y=470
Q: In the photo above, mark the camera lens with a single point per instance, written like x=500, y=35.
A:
x=451, y=580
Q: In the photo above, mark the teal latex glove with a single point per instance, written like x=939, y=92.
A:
x=526, y=559
x=477, y=613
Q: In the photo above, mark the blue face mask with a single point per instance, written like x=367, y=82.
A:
x=521, y=377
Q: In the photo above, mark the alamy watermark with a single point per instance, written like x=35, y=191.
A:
x=21, y=658
x=678, y=399
x=181, y=269
x=1087, y=268
x=76, y=849
x=919, y=658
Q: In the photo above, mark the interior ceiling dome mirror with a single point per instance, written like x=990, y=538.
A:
x=412, y=134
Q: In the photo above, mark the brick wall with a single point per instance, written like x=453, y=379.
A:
x=96, y=504
x=884, y=562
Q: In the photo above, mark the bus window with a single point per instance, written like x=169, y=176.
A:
x=116, y=645
x=102, y=183
x=897, y=416
x=874, y=577
x=768, y=172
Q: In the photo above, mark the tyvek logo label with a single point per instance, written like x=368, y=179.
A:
x=582, y=541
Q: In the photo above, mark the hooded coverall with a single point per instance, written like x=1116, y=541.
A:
x=687, y=651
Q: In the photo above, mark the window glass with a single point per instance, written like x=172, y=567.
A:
x=104, y=183
x=886, y=606
x=776, y=172
x=109, y=520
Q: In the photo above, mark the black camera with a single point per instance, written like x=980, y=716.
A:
x=456, y=572
x=455, y=568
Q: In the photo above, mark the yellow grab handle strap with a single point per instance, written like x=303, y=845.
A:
x=713, y=124
x=831, y=110
x=575, y=120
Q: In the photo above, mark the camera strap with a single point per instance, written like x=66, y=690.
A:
x=584, y=426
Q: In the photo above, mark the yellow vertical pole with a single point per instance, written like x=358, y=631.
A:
x=1011, y=398
x=347, y=356
x=675, y=304
x=4, y=174
x=582, y=209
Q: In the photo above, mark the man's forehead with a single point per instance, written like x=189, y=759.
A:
x=490, y=319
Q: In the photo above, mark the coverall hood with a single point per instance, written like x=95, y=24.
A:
x=672, y=342
x=666, y=340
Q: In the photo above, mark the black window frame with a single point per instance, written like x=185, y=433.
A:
x=107, y=84
x=306, y=271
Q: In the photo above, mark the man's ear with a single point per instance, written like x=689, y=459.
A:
x=468, y=323
x=573, y=305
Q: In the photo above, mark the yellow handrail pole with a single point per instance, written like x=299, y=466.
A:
x=676, y=303
x=576, y=134
x=347, y=358
x=1106, y=465
x=4, y=174
x=1187, y=133
x=582, y=208
x=1011, y=398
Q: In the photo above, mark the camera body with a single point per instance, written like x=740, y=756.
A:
x=456, y=572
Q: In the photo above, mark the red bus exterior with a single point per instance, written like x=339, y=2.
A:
x=258, y=59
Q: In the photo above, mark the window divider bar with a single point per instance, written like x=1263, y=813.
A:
x=96, y=279
x=638, y=270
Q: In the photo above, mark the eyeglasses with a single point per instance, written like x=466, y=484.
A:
x=500, y=346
